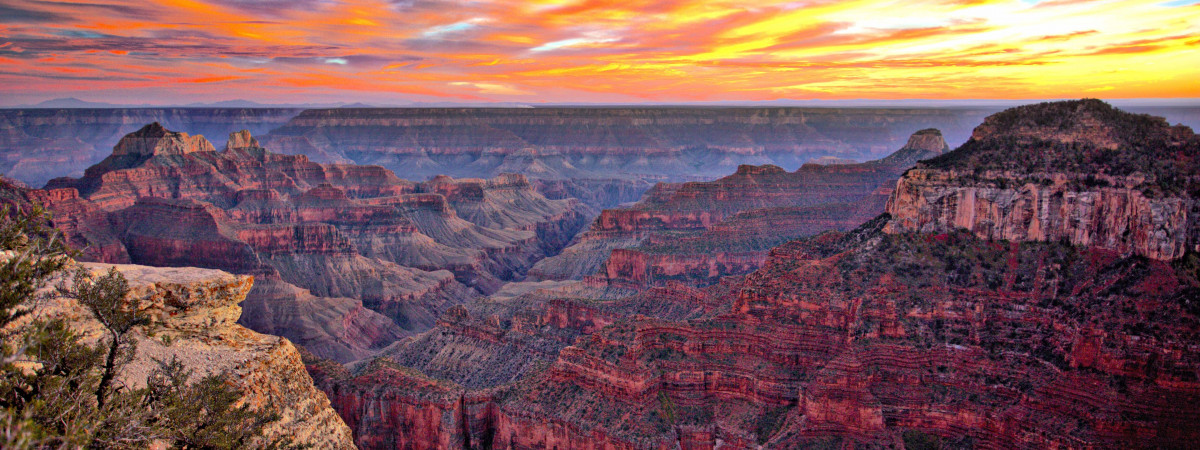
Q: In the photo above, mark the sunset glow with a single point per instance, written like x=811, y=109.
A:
x=165, y=51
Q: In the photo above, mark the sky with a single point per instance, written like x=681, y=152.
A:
x=636, y=51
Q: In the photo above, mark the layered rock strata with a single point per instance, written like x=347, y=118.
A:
x=557, y=143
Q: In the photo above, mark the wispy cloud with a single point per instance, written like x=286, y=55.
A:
x=611, y=50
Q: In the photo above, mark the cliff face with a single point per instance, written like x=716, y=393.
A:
x=378, y=256
x=1121, y=218
x=868, y=336
x=1077, y=171
x=194, y=315
x=153, y=140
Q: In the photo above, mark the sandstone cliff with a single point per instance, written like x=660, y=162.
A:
x=1078, y=171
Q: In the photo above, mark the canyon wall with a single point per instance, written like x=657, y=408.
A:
x=1120, y=217
x=557, y=143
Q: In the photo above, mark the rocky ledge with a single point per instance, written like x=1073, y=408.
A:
x=194, y=315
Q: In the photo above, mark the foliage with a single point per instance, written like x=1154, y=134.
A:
x=38, y=252
x=667, y=406
x=918, y=440
x=1024, y=141
x=769, y=422
x=204, y=413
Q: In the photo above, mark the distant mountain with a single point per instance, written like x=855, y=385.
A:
x=74, y=103
x=71, y=102
x=228, y=104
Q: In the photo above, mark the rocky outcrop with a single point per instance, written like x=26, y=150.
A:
x=241, y=140
x=923, y=144
x=641, y=267
x=153, y=140
x=1121, y=217
x=1057, y=171
x=37, y=145
x=193, y=317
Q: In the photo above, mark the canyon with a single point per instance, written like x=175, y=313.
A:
x=1035, y=287
x=565, y=142
x=603, y=156
x=886, y=334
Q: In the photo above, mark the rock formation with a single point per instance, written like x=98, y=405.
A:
x=37, y=145
x=154, y=140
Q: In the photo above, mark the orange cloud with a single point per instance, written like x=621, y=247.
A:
x=174, y=51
